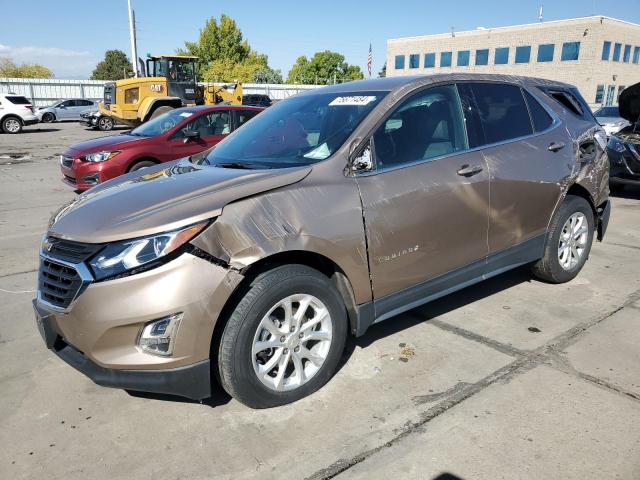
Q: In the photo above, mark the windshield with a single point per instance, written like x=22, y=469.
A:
x=161, y=124
x=298, y=131
x=607, y=112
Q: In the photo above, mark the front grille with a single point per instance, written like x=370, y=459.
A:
x=66, y=161
x=70, y=179
x=73, y=252
x=58, y=284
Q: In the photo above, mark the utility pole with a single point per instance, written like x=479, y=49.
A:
x=132, y=36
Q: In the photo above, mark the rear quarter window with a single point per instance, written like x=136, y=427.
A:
x=18, y=100
x=539, y=116
x=502, y=111
x=571, y=100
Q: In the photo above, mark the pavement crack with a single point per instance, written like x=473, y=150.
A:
x=18, y=273
x=489, y=342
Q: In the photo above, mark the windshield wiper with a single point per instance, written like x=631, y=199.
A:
x=237, y=165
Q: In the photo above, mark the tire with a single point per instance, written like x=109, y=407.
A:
x=141, y=164
x=48, y=117
x=105, y=124
x=11, y=125
x=159, y=111
x=563, y=259
x=238, y=362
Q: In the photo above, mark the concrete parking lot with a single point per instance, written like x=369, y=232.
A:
x=512, y=378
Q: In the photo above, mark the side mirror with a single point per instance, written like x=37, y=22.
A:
x=364, y=161
x=191, y=135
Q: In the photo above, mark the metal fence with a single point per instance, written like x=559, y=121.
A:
x=44, y=91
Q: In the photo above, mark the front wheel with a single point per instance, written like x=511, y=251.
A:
x=105, y=124
x=568, y=242
x=284, y=339
x=48, y=117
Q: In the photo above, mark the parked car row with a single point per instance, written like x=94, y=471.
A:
x=333, y=210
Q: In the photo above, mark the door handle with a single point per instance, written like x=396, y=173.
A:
x=469, y=171
x=555, y=146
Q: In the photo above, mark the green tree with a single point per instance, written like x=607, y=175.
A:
x=383, y=71
x=27, y=70
x=226, y=56
x=115, y=66
x=323, y=68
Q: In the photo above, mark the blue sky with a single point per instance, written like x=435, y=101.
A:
x=70, y=36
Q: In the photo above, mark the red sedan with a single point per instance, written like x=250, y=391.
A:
x=176, y=134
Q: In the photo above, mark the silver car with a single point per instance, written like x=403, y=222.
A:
x=610, y=119
x=66, y=110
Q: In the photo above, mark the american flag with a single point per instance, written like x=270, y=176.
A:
x=369, y=60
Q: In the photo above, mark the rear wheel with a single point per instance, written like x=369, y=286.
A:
x=105, y=124
x=48, y=117
x=568, y=242
x=159, y=111
x=284, y=339
x=11, y=125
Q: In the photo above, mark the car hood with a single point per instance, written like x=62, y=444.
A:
x=629, y=103
x=103, y=143
x=162, y=198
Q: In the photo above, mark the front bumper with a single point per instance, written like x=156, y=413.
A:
x=98, y=333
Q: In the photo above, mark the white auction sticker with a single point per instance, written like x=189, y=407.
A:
x=186, y=114
x=352, y=100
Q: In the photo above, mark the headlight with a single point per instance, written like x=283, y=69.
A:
x=615, y=144
x=121, y=257
x=99, y=156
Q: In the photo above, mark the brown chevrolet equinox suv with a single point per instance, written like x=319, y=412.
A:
x=329, y=212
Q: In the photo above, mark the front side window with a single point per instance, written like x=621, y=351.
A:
x=570, y=51
x=463, y=58
x=482, y=57
x=626, y=56
x=523, y=54
x=606, y=50
x=616, y=52
x=502, y=110
x=300, y=130
x=214, y=123
x=399, y=62
x=545, y=52
x=427, y=125
x=414, y=60
x=445, y=59
x=599, y=94
x=502, y=56
x=429, y=60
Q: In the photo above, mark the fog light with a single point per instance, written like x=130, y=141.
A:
x=92, y=179
x=157, y=337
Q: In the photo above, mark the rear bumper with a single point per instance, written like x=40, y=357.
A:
x=191, y=381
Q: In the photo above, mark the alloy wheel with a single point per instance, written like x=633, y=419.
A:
x=12, y=125
x=573, y=241
x=291, y=342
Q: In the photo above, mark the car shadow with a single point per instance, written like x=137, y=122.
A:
x=629, y=192
x=218, y=397
x=38, y=130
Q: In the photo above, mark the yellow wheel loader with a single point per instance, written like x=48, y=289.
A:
x=168, y=82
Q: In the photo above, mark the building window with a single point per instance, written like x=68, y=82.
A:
x=620, y=90
x=611, y=90
x=463, y=58
x=545, y=52
x=616, y=52
x=429, y=60
x=570, y=51
x=399, y=62
x=523, y=54
x=636, y=55
x=599, y=94
x=482, y=57
x=445, y=59
x=502, y=56
x=606, y=50
x=414, y=60
x=626, y=57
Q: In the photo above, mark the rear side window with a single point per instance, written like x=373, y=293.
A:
x=502, y=110
x=427, y=125
x=18, y=100
x=541, y=119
